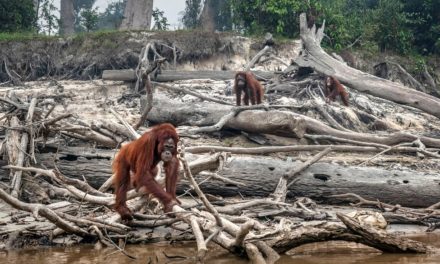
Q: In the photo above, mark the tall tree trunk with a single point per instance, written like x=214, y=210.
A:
x=207, y=17
x=36, y=6
x=36, y=9
x=137, y=15
x=67, y=17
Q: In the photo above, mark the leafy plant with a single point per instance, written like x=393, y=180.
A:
x=49, y=22
x=79, y=6
x=160, y=21
x=390, y=31
x=89, y=19
x=191, y=13
x=112, y=17
x=276, y=16
x=16, y=15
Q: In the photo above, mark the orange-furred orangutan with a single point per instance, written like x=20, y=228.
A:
x=245, y=82
x=141, y=158
x=334, y=88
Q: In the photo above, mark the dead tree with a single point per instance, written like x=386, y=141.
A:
x=314, y=56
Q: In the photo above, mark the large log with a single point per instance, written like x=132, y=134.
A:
x=275, y=122
x=170, y=76
x=281, y=123
x=119, y=75
x=81, y=163
x=314, y=56
x=261, y=174
x=94, y=165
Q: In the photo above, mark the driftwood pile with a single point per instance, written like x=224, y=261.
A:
x=259, y=228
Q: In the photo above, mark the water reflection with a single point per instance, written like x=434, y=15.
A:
x=336, y=253
x=86, y=254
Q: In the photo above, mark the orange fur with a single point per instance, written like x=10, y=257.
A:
x=334, y=88
x=252, y=88
x=141, y=157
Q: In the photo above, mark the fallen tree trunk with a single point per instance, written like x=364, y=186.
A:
x=93, y=165
x=205, y=114
x=260, y=176
x=314, y=56
x=355, y=232
x=170, y=76
x=283, y=123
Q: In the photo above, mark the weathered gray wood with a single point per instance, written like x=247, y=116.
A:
x=261, y=175
x=67, y=17
x=276, y=122
x=170, y=76
x=206, y=113
x=94, y=169
x=119, y=75
x=94, y=165
x=137, y=15
x=407, y=188
x=178, y=113
x=23, y=154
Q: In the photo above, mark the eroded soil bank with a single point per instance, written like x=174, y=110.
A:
x=86, y=56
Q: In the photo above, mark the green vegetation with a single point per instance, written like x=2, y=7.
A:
x=191, y=13
x=89, y=19
x=22, y=36
x=397, y=26
x=16, y=15
x=404, y=27
x=160, y=21
x=48, y=22
x=391, y=25
x=112, y=17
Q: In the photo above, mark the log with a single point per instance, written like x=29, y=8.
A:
x=261, y=175
x=93, y=169
x=119, y=75
x=276, y=122
x=170, y=76
x=314, y=56
x=23, y=154
x=93, y=165
x=280, y=123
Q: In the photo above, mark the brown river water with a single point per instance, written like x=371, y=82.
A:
x=329, y=253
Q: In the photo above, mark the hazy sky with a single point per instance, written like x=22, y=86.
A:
x=171, y=8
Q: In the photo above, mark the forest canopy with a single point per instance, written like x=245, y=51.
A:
x=383, y=25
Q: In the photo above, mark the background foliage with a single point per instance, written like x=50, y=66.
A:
x=16, y=15
x=405, y=27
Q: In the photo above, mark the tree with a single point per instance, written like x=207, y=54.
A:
x=207, y=22
x=191, y=14
x=215, y=15
x=17, y=15
x=112, y=17
x=67, y=17
x=276, y=16
x=48, y=20
x=78, y=6
x=89, y=19
x=137, y=15
x=424, y=22
x=160, y=22
x=222, y=11
x=347, y=21
x=390, y=22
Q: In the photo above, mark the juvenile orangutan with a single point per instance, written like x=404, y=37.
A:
x=247, y=84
